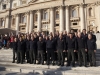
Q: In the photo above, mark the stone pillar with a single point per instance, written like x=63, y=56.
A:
x=27, y=24
x=31, y=22
x=82, y=17
x=67, y=19
x=61, y=19
x=17, y=23
x=7, y=22
x=39, y=21
x=52, y=20
x=97, y=15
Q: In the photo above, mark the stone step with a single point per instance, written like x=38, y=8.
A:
x=32, y=66
x=57, y=71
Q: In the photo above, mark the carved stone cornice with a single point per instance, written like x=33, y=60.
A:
x=97, y=3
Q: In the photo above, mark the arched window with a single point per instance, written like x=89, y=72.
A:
x=36, y=17
x=24, y=19
x=57, y=14
x=45, y=15
x=74, y=13
x=13, y=21
x=2, y=23
x=90, y=12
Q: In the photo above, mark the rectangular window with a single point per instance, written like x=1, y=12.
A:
x=57, y=24
x=4, y=6
x=15, y=4
x=74, y=23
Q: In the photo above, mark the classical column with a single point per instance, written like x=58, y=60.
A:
x=31, y=22
x=39, y=21
x=52, y=20
x=67, y=19
x=61, y=19
x=82, y=17
x=7, y=22
x=97, y=15
x=17, y=23
x=27, y=24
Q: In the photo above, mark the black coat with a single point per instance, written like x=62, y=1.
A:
x=81, y=43
x=33, y=45
x=71, y=43
x=50, y=44
x=27, y=44
x=21, y=45
x=61, y=45
x=40, y=45
x=91, y=44
x=15, y=46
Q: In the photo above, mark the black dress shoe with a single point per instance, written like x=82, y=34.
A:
x=59, y=64
x=13, y=62
x=73, y=65
x=62, y=64
x=53, y=64
x=68, y=65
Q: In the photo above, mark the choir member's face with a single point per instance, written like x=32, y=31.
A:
x=79, y=34
x=40, y=38
x=15, y=39
x=89, y=36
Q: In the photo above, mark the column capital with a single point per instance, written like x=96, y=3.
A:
x=7, y=16
x=17, y=14
x=81, y=5
x=31, y=11
x=61, y=7
x=51, y=8
x=27, y=13
x=67, y=7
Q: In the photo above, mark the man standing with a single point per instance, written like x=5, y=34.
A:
x=14, y=45
x=91, y=46
x=82, y=49
x=33, y=50
x=61, y=49
x=20, y=51
x=71, y=48
x=50, y=50
x=27, y=44
x=40, y=48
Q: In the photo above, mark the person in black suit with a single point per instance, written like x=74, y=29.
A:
x=33, y=50
x=91, y=46
x=50, y=46
x=61, y=46
x=71, y=48
x=40, y=49
x=14, y=44
x=27, y=44
x=82, y=49
x=20, y=51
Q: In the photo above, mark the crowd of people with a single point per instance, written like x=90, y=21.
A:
x=75, y=46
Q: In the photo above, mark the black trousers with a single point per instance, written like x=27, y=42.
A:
x=27, y=55
x=14, y=55
x=82, y=55
x=20, y=56
x=61, y=57
x=50, y=53
x=71, y=54
x=92, y=57
x=32, y=55
x=40, y=56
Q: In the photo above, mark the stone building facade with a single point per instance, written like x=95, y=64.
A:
x=49, y=15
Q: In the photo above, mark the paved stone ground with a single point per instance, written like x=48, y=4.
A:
x=8, y=68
